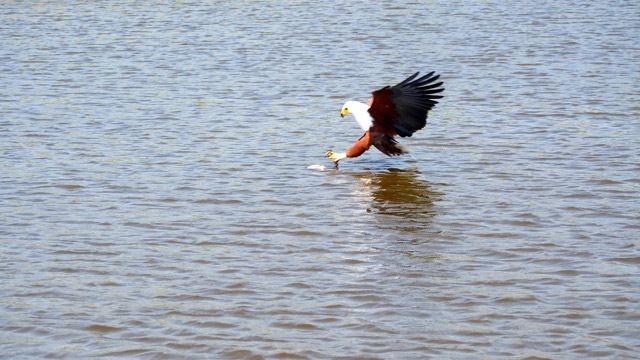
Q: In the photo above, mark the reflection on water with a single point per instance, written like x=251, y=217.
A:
x=401, y=198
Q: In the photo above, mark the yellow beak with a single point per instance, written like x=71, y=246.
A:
x=344, y=112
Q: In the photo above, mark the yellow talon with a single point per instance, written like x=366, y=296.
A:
x=335, y=157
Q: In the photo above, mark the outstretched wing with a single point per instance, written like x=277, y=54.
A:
x=402, y=109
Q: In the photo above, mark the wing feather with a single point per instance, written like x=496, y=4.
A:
x=402, y=109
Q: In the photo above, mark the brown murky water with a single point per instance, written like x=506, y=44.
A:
x=156, y=201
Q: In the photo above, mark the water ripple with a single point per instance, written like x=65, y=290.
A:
x=157, y=201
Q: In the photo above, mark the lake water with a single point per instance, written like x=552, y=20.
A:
x=156, y=200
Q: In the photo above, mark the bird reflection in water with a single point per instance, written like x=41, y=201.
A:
x=401, y=198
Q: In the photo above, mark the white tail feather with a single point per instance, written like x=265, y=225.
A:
x=403, y=148
x=406, y=150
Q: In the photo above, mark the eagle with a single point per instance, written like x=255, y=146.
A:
x=393, y=110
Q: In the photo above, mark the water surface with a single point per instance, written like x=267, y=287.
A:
x=156, y=200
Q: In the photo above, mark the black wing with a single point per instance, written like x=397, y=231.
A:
x=412, y=100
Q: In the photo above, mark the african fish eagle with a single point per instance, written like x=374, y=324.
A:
x=393, y=110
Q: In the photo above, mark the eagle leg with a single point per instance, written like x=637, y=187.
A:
x=336, y=157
